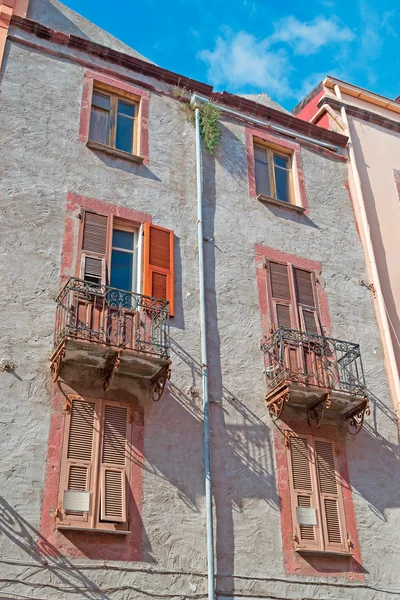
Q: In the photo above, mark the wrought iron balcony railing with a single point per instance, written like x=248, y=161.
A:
x=313, y=360
x=104, y=315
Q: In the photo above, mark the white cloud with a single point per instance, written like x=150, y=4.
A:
x=241, y=61
x=309, y=38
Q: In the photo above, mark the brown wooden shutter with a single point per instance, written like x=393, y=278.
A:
x=282, y=305
x=93, y=254
x=114, y=462
x=306, y=301
x=303, y=492
x=158, y=268
x=79, y=459
x=332, y=510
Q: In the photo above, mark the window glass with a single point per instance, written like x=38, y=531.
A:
x=122, y=239
x=121, y=270
x=282, y=184
x=124, y=137
x=126, y=109
x=262, y=178
x=101, y=101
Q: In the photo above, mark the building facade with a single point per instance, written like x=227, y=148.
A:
x=102, y=446
x=372, y=123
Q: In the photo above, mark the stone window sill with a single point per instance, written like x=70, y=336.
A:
x=323, y=552
x=92, y=530
x=280, y=203
x=114, y=152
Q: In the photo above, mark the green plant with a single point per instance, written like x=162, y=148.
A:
x=210, y=114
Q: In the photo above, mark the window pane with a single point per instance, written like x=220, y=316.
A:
x=126, y=109
x=101, y=101
x=282, y=184
x=121, y=270
x=260, y=154
x=99, y=126
x=124, y=137
x=262, y=178
x=122, y=239
x=281, y=161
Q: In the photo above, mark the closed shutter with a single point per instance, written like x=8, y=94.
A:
x=94, y=247
x=78, y=471
x=159, y=264
x=303, y=494
x=306, y=301
x=330, y=496
x=280, y=290
x=114, y=462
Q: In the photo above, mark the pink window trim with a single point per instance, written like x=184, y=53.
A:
x=297, y=164
x=314, y=565
x=90, y=80
x=82, y=544
x=263, y=253
x=74, y=205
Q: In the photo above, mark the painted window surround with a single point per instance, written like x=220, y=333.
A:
x=93, y=79
x=299, y=191
x=80, y=543
x=321, y=565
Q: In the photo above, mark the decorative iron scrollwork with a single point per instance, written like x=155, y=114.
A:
x=316, y=410
x=160, y=382
x=55, y=367
x=277, y=404
x=355, y=417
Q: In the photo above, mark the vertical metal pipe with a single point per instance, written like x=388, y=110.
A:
x=204, y=368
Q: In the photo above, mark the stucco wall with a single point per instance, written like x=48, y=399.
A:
x=39, y=120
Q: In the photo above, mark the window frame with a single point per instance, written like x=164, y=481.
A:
x=115, y=97
x=272, y=150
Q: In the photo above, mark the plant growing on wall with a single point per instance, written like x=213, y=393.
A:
x=210, y=129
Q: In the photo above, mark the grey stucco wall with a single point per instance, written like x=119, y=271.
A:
x=39, y=120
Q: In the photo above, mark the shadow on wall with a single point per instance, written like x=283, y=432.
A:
x=58, y=568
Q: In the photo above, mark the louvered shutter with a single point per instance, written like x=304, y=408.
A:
x=306, y=301
x=78, y=469
x=281, y=295
x=94, y=247
x=303, y=493
x=158, y=265
x=332, y=510
x=114, y=462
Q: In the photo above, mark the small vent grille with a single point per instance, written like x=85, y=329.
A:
x=80, y=443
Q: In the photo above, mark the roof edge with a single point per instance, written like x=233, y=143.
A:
x=140, y=66
x=300, y=105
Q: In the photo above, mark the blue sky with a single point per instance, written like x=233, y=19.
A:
x=283, y=48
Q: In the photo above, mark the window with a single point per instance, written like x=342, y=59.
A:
x=273, y=173
x=95, y=468
x=113, y=121
x=293, y=298
x=110, y=253
x=316, y=495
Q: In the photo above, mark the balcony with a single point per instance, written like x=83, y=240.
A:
x=111, y=330
x=315, y=373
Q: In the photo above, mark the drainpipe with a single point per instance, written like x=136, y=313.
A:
x=373, y=269
x=204, y=368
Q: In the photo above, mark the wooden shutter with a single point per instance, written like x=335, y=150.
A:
x=306, y=301
x=114, y=463
x=332, y=510
x=80, y=447
x=94, y=246
x=280, y=289
x=158, y=259
x=303, y=492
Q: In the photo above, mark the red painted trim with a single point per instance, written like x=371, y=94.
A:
x=313, y=565
x=74, y=205
x=79, y=544
x=308, y=110
x=90, y=80
x=297, y=163
x=264, y=252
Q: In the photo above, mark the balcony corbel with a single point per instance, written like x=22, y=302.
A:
x=355, y=417
x=316, y=410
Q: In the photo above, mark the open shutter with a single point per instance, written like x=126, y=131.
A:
x=159, y=264
x=303, y=495
x=95, y=232
x=306, y=301
x=114, y=463
x=77, y=485
x=330, y=497
x=281, y=295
